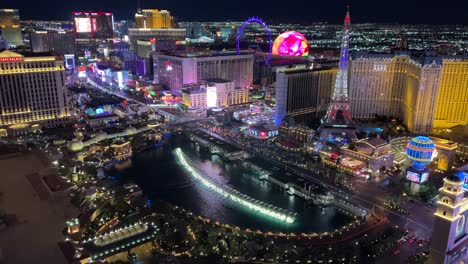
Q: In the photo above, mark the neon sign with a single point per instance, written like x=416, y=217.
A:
x=272, y=133
x=94, y=24
x=11, y=59
x=263, y=134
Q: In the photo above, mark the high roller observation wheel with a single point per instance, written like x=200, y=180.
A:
x=259, y=21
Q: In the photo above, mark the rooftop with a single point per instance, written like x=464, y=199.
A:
x=217, y=80
x=301, y=70
x=286, y=60
x=202, y=54
x=376, y=142
x=264, y=126
x=10, y=56
x=423, y=59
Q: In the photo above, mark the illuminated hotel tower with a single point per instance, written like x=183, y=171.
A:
x=153, y=18
x=452, y=101
x=32, y=93
x=449, y=243
x=10, y=26
x=338, y=118
x=398, y=85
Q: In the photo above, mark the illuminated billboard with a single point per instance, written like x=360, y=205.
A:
x=417, y=176
x=69, y=61
x=261, y=133
x=413, y=176
x=83, y=25
x=463, y=175
x=424, y=177
x=291, y=43
x=96, y=25
x=211, y=96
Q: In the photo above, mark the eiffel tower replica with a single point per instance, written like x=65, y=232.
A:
x=337, y=126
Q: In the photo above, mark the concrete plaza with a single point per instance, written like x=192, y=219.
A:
x=37, y=218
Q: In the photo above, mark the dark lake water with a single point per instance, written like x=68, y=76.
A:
x=157, y=172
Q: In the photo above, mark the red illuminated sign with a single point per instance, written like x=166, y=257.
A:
x=94, y=24
x=91, y=14
x=11, y=59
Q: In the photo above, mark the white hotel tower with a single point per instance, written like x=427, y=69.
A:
x=449, y=244
x=32, y=93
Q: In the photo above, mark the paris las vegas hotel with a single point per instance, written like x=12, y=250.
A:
x=32, y=93
x=426, y=92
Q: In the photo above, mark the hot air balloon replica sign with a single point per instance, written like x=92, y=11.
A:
x=420, y=151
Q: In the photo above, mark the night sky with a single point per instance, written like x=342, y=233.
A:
x=298, y=11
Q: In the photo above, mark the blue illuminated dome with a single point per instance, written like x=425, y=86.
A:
x=420, y=150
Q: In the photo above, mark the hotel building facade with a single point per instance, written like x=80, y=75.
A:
x=424, y=92
x=303, y=94
x=154, y=18
x=452, y=102
x=212, y=93
x=61, y=42
x=177, y=68
x=32, y=93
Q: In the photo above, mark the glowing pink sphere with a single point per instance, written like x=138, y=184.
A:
x=291, y=43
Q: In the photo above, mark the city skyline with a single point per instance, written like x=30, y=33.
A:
x=365, y=11
x=151, y=141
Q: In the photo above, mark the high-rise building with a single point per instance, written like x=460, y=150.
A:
x=212, y=93
x=303, y=94
x=338, y=122
x=452, y=101
x=265, y=74
x=152, y=36
x=420, y=102
x=10, y=26
x=194, y=29
x=144, y=49
x=32, y=93
x=396, y=85
x=177, y=68
x=194, y=97
x=155, y=30
x=449, y=244
x=226, y=93
x=377, y=83
x=135, y=64
x=153, y=18
x=122, y=26
x=60, y=42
